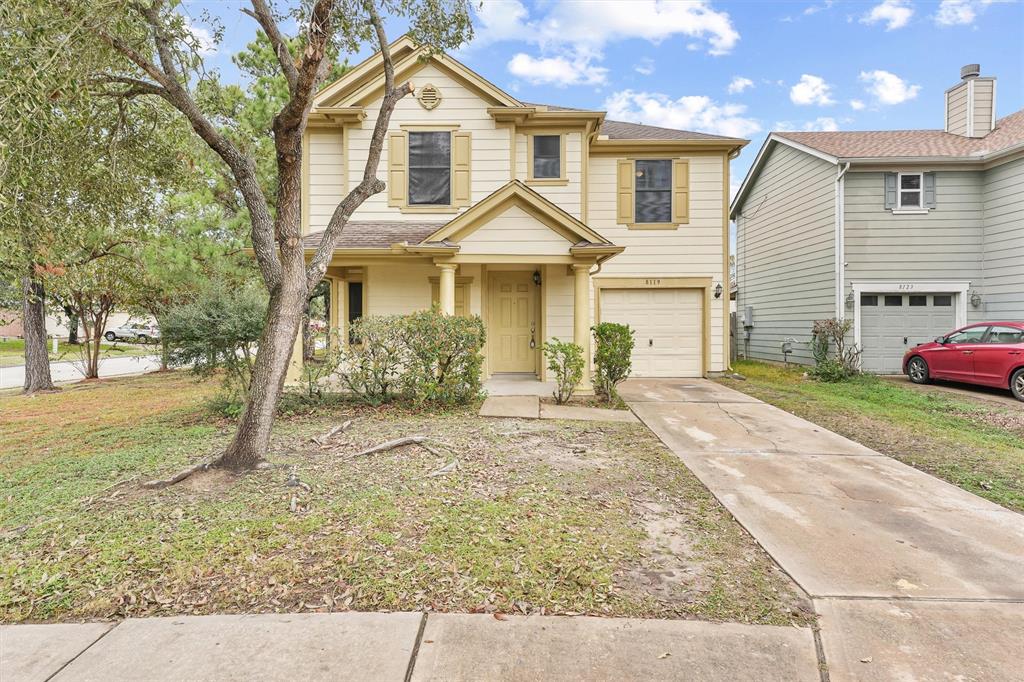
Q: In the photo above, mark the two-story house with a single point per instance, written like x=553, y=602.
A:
x=913, y=233
x=541, y=219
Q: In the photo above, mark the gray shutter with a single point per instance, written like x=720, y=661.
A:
x=929, y=190
x=890, y=189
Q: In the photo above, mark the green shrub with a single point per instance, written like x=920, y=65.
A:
x=219, y=330
x=613, y=348
x=225, y=403
x=443, y=357
x=371, y=368
x=834, y=358
x=565, y=360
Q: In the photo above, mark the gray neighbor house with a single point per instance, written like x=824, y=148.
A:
x=912, y=233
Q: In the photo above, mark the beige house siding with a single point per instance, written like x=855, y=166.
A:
x=695, y=249
x=956, y=110
x=326, y=175
x=461, y=109
x=1003, y=296
x=785, y=259
x=514, y=232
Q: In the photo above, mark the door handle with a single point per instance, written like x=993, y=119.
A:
x=904, y=340
x=650, y=342
x=1014, y=352
x=967, y=352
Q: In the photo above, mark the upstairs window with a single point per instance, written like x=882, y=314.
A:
x=911, y=190
x=430, y=168
x=547, y=157
x=654, y=191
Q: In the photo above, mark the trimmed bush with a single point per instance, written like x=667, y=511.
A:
x=565, y=360
x=443, y=357
x=834, y=358
x=371, y=369
x=613, y=348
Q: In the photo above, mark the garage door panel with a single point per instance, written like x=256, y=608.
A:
x=884, y=328
x=667, y=325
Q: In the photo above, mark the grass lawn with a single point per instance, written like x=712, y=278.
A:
x=12, y=351
x=975, y=444
x=537, y=517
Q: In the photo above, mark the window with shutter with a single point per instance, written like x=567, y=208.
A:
x=430, y=168
x=653, y=191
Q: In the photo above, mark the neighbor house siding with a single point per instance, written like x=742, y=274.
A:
x=944, y=244
x=1003, y=295
x=785, y=259
x=461, y=109
x=693, y=249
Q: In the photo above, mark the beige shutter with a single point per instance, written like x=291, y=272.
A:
x=462, y=156
x=680, y=191
x=398, y=168
x=625, y=176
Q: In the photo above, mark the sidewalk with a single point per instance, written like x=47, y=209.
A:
x=405, y=646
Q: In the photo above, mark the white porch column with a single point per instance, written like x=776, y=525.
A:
x=446, y=288
x=581, y=320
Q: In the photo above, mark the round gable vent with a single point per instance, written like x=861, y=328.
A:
x=429, y=97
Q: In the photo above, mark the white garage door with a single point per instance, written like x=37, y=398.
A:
x=891, y=323
x=667, y=322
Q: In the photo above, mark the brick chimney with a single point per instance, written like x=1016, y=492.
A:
x=971, y=104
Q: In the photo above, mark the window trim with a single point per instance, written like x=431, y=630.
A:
x=563, y=178
x=450, y=207
x=909, y=210
x=670, y=225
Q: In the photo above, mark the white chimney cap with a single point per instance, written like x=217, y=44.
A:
x=970, y=71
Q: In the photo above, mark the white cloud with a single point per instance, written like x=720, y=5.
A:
x=959, y=12
x=811, y=90
x=577, y=31
x=697, y=113
x=857, y=105
x=739, y=84
x=202, y=40
x=888, y=88
x=645, y=67
x=556, y=70
x=895, y=13
x=814, y=9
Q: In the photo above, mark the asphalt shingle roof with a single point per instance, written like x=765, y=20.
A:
x=376, y=234
x=624, y=130
x=1009, y=131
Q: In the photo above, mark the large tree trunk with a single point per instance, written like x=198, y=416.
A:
x=308, y=348
x=284, y=314
x=37, y=357
x=72, y=325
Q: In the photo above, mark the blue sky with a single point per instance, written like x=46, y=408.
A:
x=733, y=68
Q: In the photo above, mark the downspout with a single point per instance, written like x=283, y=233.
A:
x=840, y=245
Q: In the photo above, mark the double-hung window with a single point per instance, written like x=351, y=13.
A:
x=430, y=168
x=547, y=157
x=911, y=191
x=653, y=191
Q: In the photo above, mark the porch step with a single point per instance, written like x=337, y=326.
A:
x=522, y=406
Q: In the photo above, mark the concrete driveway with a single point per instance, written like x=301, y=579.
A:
x=879, y=545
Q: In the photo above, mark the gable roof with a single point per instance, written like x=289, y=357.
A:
x=893, y=147
x=373, y=234
x=516, y=193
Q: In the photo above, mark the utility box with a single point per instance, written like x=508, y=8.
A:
x=748, y=317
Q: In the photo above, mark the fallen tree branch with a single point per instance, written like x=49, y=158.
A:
x=340, y=428
x=402, y=442
x=446, y=469
x=178, y=477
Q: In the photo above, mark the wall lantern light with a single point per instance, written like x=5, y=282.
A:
x=536, y=277
x=849, y=301
x=975, y=299
x=718, y=290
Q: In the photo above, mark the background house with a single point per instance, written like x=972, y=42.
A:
x=912, y=233
x=540, y=219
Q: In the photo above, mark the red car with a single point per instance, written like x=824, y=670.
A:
x=988, y=353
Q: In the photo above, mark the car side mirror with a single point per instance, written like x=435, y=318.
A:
x=940, y=339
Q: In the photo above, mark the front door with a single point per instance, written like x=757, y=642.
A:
x=512, y=326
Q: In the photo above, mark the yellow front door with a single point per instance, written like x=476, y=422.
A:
x=513, y=322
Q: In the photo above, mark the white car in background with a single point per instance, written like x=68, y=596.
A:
x=139, y=332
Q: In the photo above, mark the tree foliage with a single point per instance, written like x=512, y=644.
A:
x=613, y=350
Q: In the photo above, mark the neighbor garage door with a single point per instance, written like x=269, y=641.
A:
x=891, y=323
x=667, y=322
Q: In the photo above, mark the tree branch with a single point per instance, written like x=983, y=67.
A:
x=370, y=183
x=261, y=13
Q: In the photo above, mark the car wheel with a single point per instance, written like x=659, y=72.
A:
x=1017, y=384
x=917, y=370
x=109, y=336
x=143, y=339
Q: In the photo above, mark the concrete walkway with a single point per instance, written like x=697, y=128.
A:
x=62, y=372
x=914, y=578
x=404, y=646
